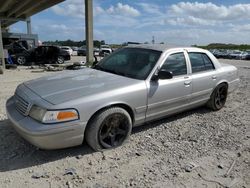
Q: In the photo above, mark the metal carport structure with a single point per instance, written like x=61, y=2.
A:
x=12, y=11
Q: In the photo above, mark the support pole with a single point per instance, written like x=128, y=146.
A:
x=2, y=66
x=28, y=21
x=89, y=31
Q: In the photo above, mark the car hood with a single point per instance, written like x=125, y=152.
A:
x=71, y=85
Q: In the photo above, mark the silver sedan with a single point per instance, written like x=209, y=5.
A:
x=131, y=86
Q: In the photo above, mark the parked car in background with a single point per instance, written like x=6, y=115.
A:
x=41, y=55
x=68, y=49
x=96, y=51
x=17, y=47
x=75, y=49
x=82, y=51
x=221, y=54
x=247, y=57
x=238, y=55
x=243, y=55
x=105, y=49
x=131, y=86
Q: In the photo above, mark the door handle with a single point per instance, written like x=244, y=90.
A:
x=214, y=77
x=187, y=83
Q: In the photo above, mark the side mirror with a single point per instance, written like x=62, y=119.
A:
x=164, y=74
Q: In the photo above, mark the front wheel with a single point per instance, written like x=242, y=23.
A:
x=109, y=129
x=21, y=60
x=218, y=97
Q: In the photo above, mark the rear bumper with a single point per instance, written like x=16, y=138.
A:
x=53, y=136
x=233, y=85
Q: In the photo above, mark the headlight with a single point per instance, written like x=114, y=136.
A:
x=53, y=116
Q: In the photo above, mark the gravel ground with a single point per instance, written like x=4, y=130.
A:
x=198, y=148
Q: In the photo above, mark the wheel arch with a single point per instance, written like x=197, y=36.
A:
x=218, y=83
x=222, y=82
x=120, y=105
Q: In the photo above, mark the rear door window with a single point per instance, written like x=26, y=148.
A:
x=208, y=63
x=200, y=62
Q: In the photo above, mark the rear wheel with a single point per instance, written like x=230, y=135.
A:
x=109, y=129
x=218, y=97
x=60, y=60
x=21, y=60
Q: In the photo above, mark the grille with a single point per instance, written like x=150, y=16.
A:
x=21, y=105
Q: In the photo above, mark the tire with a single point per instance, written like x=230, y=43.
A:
x=108, y=129
x=218, y=97
x=60, y=60
x=21, y=60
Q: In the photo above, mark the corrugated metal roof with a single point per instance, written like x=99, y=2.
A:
x=12, y=11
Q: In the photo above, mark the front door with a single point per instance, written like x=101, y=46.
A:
x=171, y=95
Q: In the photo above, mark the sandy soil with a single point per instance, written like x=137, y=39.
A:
x=198, y=148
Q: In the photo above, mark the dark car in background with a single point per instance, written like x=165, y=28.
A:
x=41, y=55
x=82, y=51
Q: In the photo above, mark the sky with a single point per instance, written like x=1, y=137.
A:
x=172, y=22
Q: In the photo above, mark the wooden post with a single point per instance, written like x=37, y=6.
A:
x=2, y=67
x=89, y=31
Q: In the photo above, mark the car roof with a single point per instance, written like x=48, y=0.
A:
x=163, y=47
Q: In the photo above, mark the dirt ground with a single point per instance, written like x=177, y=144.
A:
x=198, y=148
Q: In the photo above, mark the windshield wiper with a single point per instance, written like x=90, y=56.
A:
x=98, y=67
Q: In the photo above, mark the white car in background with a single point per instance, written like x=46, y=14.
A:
x=105, y=49
x=68, y=49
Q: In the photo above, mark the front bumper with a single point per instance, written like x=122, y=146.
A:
x=52, y=136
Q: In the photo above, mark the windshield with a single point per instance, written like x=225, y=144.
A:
x=130, y=62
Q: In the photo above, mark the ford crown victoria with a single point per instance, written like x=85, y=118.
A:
x=131, y=86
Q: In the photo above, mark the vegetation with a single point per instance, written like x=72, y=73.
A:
x=242, y=47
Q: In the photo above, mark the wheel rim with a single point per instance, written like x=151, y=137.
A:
x=60, y=60
x=113, y=130
x=21, y=60
x=220, y=97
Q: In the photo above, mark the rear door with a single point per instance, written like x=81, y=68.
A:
x=203, y=77
x=171, y=95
